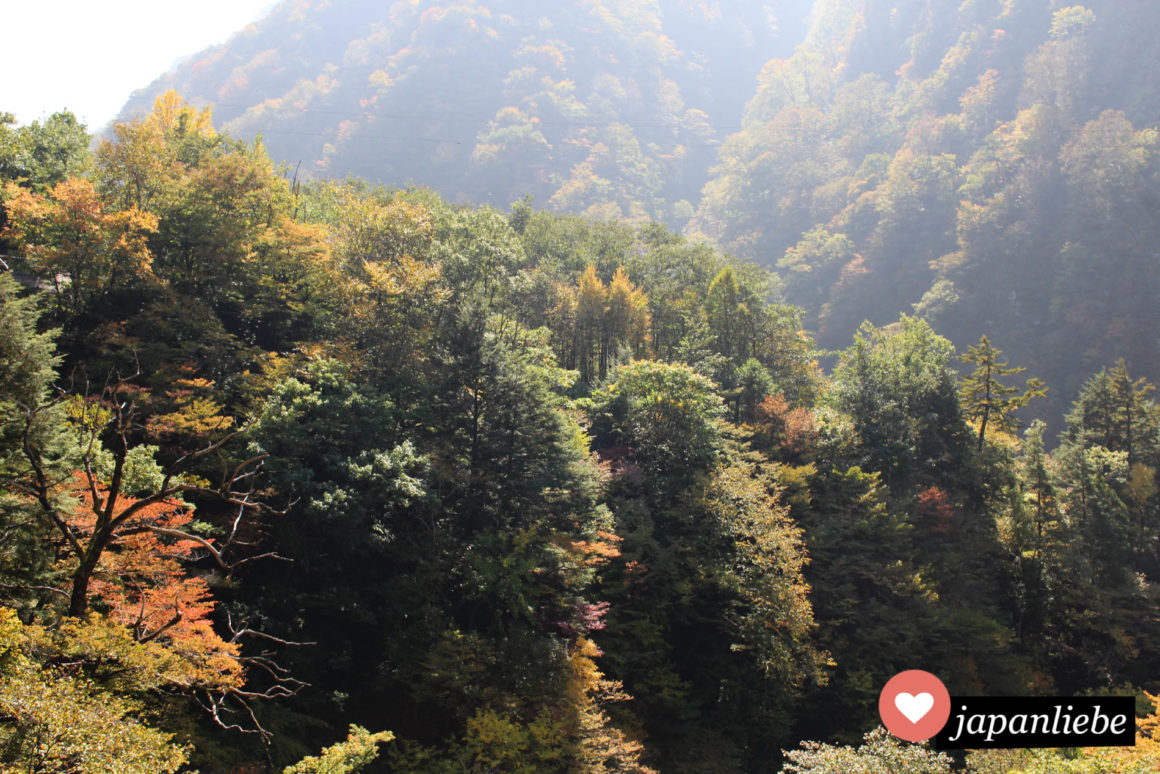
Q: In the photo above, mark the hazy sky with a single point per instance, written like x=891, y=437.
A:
x=89, y=55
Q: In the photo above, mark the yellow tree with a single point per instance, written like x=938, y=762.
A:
x=626, y=318
x=591, y=298
x=86, y=251
x=52, y=720
x=606, y=318
x=142, y=155
x=1144, y=756
x=601, y=746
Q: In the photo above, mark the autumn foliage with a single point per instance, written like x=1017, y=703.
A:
x=144, y=580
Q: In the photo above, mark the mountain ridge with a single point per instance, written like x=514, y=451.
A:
x=887, y=156
x=587, y=110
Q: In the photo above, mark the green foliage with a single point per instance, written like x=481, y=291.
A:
x=754, y=385
x=1101, y=486
x=27, y=359
x=897, y=385
x=58, y=722
x=359, y=750
x=492, y=496
x=985, y=398
x=40, y=155
x=774, y=619
x=880, y=753
x=28, y=414
x=666, y=413
x=989, y=168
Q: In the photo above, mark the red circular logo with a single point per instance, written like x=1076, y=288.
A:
x=914, y=705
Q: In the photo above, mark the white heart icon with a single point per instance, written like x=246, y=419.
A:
x=914, y=707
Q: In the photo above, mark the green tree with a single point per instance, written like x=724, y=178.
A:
x=880, y=753
x=896, y=384
x=1108, y=503
x=41, y=155
x=29, y=418
x=666, y=412
x=987, y=399
x=754, y=385
x=358, y=751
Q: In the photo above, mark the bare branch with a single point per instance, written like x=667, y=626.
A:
x=215, y=705
x=19, y=587
x=255, y=633
x=176, y=619
x=180, y=535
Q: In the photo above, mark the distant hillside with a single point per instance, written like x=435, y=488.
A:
x=993, y=165
x=605, y=108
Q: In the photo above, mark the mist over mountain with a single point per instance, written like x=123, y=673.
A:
x=990, y=166
x=608, y=109
x=352, y=475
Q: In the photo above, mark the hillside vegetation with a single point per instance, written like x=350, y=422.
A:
x=608, y=109
x=667, y=468
x=990, y=166
x=994, y=167
x=521, y=491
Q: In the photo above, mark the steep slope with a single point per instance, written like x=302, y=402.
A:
x=611, y=109
x=993, y=166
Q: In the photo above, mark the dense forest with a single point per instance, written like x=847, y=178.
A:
x=514, y=491
x=990, y=166
x=593, y=387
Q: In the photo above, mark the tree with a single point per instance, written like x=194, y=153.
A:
x=601, y=323
x=626, y=320
x=591, y=294
x=28, y=419
x=54, y=721
x=754, y=386
x=985, y=398
x=896, y=384
x=41, y=155
x=141, y=159
x=107, y=477
x=601, y=746
x=1107, y=503
x=724, y=310
x=880, y=753
x=358, y=751
x=1069, y=21
x=667, y=413
x=141, y=579
x=123, y=537
x=84, y=251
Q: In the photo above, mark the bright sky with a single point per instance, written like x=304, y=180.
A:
x=89, y=55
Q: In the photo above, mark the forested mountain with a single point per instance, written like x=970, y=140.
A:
x=284, y=458
x=992, y=165
x=609, y=109
x=989, y=165
x=518, y=491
